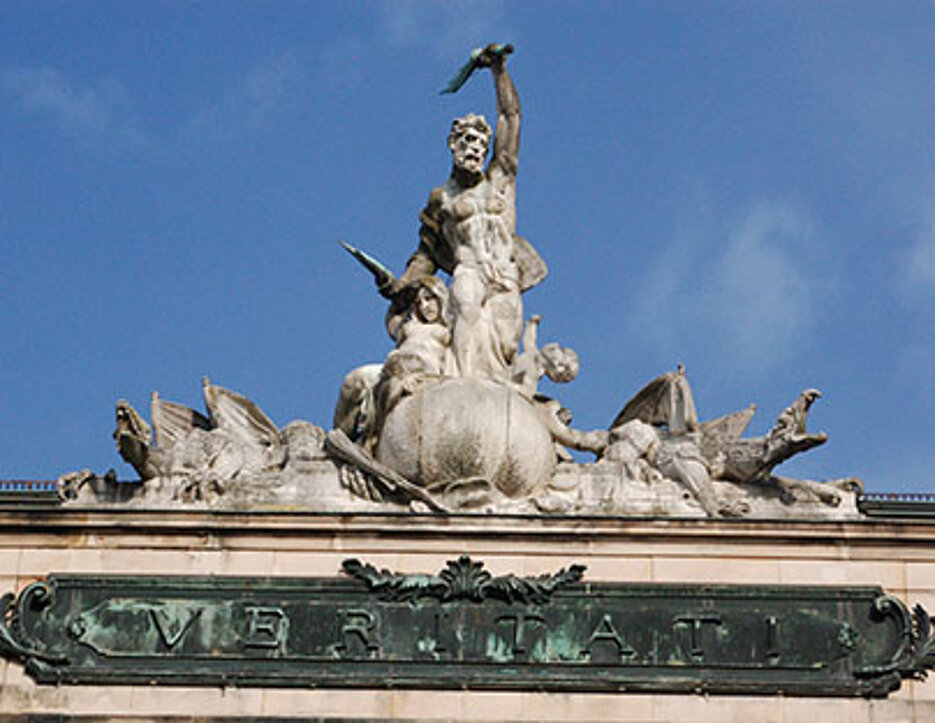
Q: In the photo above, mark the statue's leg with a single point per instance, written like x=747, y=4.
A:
x=694, y=475
x=386, y=394
x=506, y=311
x=354, y=411
x=468, y=290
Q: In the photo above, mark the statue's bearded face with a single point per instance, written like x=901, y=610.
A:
x=469, y=149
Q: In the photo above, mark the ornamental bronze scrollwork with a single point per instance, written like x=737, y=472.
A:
x=462, y=579
x=465, y=628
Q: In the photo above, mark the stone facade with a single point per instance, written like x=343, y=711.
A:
x=897, y=555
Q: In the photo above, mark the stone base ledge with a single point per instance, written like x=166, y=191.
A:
x=898, y=555
x=116, y=522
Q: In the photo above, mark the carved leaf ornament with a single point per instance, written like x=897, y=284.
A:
x=462, y=579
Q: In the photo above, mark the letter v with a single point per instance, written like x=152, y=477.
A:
x=167, y=621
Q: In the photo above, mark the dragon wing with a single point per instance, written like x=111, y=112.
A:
x=237, y=414
x=666, y=401
x=730, y=426
x=172, y=421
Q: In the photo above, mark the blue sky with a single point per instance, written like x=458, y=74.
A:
x=746, y=188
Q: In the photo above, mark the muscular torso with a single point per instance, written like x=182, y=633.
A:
x=477, y=224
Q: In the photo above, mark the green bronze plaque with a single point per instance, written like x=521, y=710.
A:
x=464, y=628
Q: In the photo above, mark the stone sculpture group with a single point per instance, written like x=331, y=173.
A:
x=453, y=419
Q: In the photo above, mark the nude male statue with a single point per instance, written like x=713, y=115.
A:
x=468, y=230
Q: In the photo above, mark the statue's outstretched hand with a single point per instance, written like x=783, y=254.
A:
x=494, y=55
x=392, y=289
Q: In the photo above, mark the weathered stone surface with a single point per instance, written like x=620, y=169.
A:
x=600, y=488
x=605, y=488
x=460, y=444
x=464, y=430
x=889, y=553
x=453, y=419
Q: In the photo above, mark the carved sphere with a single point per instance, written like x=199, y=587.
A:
x=460, y=429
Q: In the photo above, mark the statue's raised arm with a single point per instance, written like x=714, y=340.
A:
x=509, y=115
x=468, y=230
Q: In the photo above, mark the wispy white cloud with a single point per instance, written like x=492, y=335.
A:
x=920, y=266
x=100, y=113
x=760, y=294
x=341, y=65
x=915, y=283
x=263, y=93
x=402, y=21
x=90, y=112
x=745, y=290
x=444, y=27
